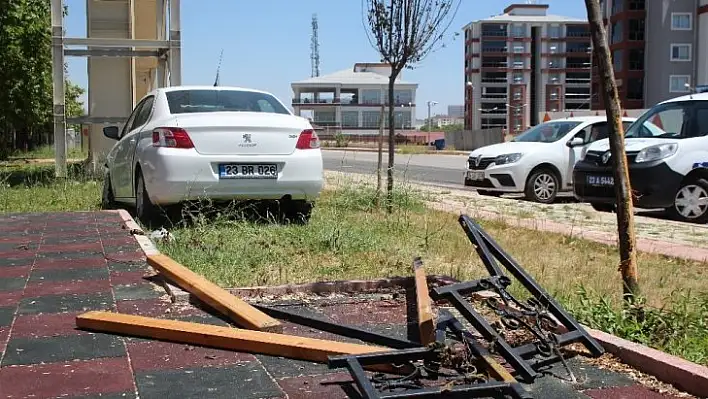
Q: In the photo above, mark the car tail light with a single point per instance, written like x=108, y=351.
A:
x=308, y=140
x=171, y=137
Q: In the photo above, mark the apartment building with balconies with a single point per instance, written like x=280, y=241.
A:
x=349, y=101
x=524, y=62
x=673, y=65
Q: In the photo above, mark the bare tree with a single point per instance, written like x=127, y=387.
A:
x=379, y=164
x=623, y=191
x=404, y=32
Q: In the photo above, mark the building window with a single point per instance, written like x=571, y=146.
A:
x=518, y=62
x=636, y=59
x=681, y=52
x=518, y=77
x=554, y=31
x=616, y=32
x=554, y=78
x=350, y=119
x=371, y=119
x=617, y=60
x=636, y=29
x=371, y=96
x=617, y=6
x=553, y=48
x=519, y=48
x=681, y=21
x=518, y=30
x=679, y=83
x=635, y=89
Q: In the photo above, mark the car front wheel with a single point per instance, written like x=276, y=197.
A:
x=542, y=186
x=144, y=208
x=691, y=202
x=108, y=200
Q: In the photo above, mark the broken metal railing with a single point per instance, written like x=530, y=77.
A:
x=540, y=316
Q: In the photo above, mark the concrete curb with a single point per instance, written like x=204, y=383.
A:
x=363, y=149
x=687, y=376
x=684, y=375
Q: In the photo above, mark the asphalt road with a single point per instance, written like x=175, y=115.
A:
x=442, y=170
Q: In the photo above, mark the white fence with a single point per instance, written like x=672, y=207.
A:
x=468, y=140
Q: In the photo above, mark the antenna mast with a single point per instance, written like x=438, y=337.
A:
x=315, y=48
x=218, y=68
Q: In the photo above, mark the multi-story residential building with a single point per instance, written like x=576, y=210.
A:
x=456, y=111
x=350, y=100
x=522, y=63
x=674, y=63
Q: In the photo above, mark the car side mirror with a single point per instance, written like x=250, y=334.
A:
x=111, y=132
x=575, y=142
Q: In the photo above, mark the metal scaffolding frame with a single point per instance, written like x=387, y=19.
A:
x=167, y=51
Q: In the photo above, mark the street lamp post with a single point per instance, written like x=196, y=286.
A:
x=430, y=121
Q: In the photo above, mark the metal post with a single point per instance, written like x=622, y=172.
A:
x=175, y=38
x=58, y=88
x=430, y=126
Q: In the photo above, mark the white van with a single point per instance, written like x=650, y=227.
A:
x=667, y=151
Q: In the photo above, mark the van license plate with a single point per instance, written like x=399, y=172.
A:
x=604, y=181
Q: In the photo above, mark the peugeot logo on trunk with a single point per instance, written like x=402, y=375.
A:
x=247, y=138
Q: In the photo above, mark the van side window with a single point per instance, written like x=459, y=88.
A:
x=702, y=120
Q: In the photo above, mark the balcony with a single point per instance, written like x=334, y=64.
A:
x=579, y=65
x=495, y=64
x=494, y=50
x=577, y=34
x=576, y=81
x=495, y=96
x=309, y=101
x=495, y=33
x=495, y=80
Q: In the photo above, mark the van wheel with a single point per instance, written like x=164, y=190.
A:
x=603, y=207
x=542, y=186
x=144, y=209
x=691, y=202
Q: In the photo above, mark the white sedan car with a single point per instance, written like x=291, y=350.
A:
x=539, y=162
x=187, y=143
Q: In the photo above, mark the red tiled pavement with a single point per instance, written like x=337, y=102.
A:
x=152, y=355
x=45, y=325
x=9, y=298
x=46, y=264
x=79, y=378
x=119, y=278
x=146, y=307
x=67, y=287
x=628, y=392
x=328, y=386
x=367, y=313
x=16, y=271
x=96, y=246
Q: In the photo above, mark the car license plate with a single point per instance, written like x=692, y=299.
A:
x=248, y=171
x=600, y=180
x=475, y=175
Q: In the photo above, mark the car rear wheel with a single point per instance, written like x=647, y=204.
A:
x=144, y=208
x=488, y=193
x=542, y=186
x=603, y=207
x=298, y=211
x=691, y=202
x=108, y=200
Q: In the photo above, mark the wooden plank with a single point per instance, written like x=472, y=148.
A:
x=234, y=308
x=259, y=342
x=426, y=319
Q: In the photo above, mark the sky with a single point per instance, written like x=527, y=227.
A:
x=266, y=44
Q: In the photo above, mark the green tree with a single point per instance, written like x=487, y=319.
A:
x=25, y=76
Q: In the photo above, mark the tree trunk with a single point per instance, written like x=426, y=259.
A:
x=391, y=141
x=379, y=165
x=623, y=191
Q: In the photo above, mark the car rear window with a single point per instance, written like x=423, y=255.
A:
x=190, y=101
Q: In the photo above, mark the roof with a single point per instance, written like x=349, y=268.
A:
x=349, y=77
x=688, y=97
x=529, y=18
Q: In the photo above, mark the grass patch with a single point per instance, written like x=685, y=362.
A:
x=47, y=152
x=349, y=237
x=412, y=149
x=34, y=188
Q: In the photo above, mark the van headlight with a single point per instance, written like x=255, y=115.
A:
x=507, y=158
x=656, y=152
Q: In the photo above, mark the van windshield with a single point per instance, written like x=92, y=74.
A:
x=671, y=120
